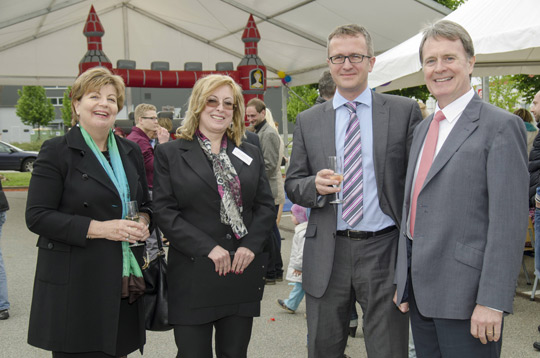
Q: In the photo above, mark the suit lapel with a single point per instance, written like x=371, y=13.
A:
x=381, y=122
x=196, y=159
x=326, y=126
x=465, y=126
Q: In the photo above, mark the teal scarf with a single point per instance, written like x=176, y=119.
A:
x=131, y=272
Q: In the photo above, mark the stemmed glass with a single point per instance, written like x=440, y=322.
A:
x=336, y=164
x=132, y=214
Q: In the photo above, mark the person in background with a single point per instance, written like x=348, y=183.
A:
x=272, y=151
x=212, y=201
x=294, y=271
x=166, y=123
x=119, y=132
x=4, y=303
x=326, y=86
x=86, y=300
x=530, y=126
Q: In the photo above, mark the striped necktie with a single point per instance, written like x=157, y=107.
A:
x=353, y=182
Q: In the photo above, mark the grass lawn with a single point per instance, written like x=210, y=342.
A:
x=15, y=179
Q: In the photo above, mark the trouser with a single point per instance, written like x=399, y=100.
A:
x=4, y=303
x=232, y=338
x=364, y=268
x=296, y=296
x=448, y=338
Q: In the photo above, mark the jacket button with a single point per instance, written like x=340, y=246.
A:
x=85, y=176
x=83, y=153
x=50, y=245
x=85, y=204
x=228, y=236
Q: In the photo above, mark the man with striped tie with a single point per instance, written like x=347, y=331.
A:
x=350, y=248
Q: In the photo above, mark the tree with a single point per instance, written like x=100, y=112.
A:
x=528, y=85
x=503, y=92
x=34, y=108
x=295, y=105
x=418, y=92
x=66, y=108
x=451, y=4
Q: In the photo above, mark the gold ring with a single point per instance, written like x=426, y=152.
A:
x=489, y=332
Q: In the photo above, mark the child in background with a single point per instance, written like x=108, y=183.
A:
x=294, y=272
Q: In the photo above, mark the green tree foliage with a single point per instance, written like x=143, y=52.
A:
x=418, y=92
x=66, y=108
x=451, y=4
x=33, y=107
x=308, y=93
x=503, y=93
x=528, y=85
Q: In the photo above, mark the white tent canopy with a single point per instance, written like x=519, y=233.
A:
x=41, y=41
x=506, y=36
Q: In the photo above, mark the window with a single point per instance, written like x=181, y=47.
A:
x=57, y=101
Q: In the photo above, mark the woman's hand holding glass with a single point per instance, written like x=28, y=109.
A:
x=118, y=230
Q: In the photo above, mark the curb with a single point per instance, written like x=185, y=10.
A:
x=15, y=188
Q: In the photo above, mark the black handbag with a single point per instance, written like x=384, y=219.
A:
x=156, y=308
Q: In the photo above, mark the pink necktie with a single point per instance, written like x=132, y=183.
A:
x=425, y=163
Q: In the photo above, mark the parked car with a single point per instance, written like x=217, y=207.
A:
x=13, y=158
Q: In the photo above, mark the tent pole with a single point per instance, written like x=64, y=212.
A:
x=129, y=102
x=285, y=123
x=485, y=88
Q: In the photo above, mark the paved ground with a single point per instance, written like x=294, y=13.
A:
x=276, y=334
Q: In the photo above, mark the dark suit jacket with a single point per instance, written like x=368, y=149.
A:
x=77, y=289
x=187, y=205
x=471, y=216
x=394, y=119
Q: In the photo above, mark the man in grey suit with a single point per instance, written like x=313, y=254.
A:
x=346, y=257
x=465, y=209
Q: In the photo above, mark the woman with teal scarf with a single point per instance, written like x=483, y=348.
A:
x=86, y=300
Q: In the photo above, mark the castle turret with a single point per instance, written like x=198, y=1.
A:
x=93, y=30
x=251, y=69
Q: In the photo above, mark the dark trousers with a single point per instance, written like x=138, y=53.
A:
x=232, y=338
x=275, y=262
x=448, y=338
x=363, y=269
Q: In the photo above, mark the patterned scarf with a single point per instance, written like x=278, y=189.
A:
x=132, y=280
x=228, y=185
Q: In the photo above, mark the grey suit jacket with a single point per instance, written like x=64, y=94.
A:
x=471, y=216
x=272, y=153
x=394, y=119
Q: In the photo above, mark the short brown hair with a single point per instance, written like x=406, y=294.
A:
x=354, y=31
x=141, y=109
x=257, y=103
x=94, y=79
x=448, y=30
x=197, y=103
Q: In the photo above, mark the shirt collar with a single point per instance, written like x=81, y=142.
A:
x=364, y=97
x=260, y=125
x=454, y=109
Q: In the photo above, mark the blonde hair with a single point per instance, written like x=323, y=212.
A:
x=197, y=103
x=141, y=108
x=93, y=80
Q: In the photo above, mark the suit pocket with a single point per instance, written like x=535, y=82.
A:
x=469, y=255
x=53, y=261
x=311, y=231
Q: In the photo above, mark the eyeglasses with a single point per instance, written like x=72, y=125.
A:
x=214, y=102
x=151, y=118
x=340, y=59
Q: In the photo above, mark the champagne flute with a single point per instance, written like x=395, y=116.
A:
x=132, y=214
x=336, y=164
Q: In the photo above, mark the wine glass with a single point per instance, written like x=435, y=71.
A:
x=132, y=214
x=336, y=164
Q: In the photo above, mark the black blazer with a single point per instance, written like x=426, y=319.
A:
x=187, y=206
x=77, y=288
